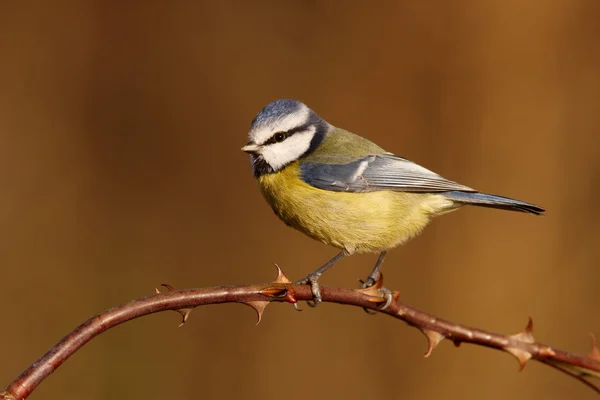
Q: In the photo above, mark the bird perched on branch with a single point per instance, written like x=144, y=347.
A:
x=345, y=191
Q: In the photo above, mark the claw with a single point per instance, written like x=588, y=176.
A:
x=366, y=283
x=315, y=288
x=363, y=285
x=313, y=279
x=387, y=295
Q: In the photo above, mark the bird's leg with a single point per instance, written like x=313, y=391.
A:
x=313, y=279
x=374, y=276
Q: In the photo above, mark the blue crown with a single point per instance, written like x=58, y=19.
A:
x=274, y=111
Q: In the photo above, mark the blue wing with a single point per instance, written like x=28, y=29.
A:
x=376, y=172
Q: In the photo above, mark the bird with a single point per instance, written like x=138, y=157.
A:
x=347, y=192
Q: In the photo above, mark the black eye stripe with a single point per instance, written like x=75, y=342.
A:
x=298, y=129
x=272, y=139
x=276, y=138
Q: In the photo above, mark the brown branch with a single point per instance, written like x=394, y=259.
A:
x=521, y=345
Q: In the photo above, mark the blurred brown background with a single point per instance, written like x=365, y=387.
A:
x=120, y=169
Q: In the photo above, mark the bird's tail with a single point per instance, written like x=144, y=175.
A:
x=493, y=201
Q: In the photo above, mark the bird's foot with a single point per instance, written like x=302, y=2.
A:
x=385, y=292
x=315, y=287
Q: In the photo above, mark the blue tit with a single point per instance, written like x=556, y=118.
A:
x=345, y=191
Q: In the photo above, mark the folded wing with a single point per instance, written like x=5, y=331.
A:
x=376, y=172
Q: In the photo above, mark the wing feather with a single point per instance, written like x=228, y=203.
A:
x=377, y=172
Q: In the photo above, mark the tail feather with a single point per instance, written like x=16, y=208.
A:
x=493, y=201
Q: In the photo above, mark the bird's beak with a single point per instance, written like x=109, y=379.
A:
x=251, y=148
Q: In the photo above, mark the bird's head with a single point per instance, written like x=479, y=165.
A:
x=281, y=133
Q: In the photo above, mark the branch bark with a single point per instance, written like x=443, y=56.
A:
x=521, y=345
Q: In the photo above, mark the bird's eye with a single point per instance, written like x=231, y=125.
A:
x=279, y=136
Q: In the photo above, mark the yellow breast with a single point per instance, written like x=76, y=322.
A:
x=356, y=222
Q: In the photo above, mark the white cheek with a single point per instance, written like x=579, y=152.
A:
x=278, y=155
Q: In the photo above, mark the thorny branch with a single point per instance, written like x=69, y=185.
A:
x=521, y=345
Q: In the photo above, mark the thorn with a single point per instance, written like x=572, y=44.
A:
x=433, y=338
x=185, y=313
x=526, y=335
x=521, y=355
x=374, y=292
x=456, y=343
x=165, y=285
x=258, y=306
x=529, y=327
x=281, y=288
x=595, y=353
x=280, y=292
x=281, y=278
